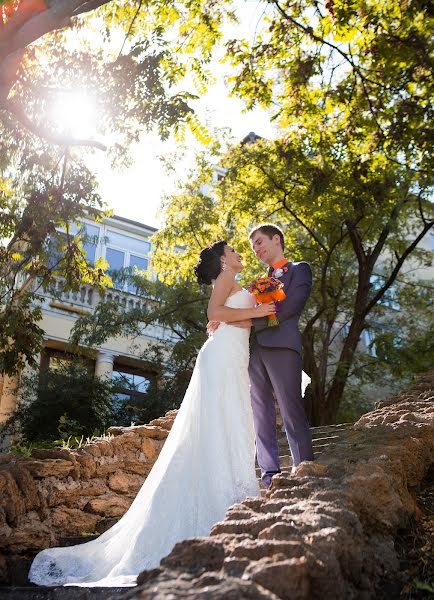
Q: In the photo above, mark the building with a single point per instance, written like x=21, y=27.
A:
x=122, y=243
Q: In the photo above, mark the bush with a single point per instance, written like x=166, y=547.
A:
x=62, y=403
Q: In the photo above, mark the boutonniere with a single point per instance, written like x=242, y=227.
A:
x=279, y=272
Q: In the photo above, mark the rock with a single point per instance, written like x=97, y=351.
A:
x=148, y=576
x=11, y=498
x=106, y=465
x=287, y=579
x=129, y=442
x=375, y=498
x=311, y=469
x=31, y=533
x=64, y=491
x=206, y=587
x=151, y=448
x=325, y=533
x=140, y=431
x=70, y=521
x=3, y=568
x=154, y=432
x=62, y=453
x=93, y=449
x=278, y=531
x=87, y=463
x=125, y=483
x=251, y=526
x=195, y=554
x=109, y=505
x=56, y=467
x=165, y=422
x=139, y=465
x=60, y=491
x=254, y=550
x=105, y=447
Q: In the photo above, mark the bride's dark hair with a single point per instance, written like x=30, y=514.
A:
x=209, y=265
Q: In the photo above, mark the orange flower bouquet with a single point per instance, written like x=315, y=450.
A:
x=268, y=289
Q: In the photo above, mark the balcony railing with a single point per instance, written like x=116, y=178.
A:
x=85, y=299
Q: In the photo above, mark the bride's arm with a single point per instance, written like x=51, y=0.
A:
x=217, y=311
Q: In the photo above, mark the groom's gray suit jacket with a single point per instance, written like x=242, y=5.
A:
x=297, y=286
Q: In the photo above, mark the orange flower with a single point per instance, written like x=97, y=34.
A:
x=268, y=289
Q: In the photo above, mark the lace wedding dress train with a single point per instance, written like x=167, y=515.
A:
x=206, y=464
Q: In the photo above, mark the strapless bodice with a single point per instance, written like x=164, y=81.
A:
x=241, y=299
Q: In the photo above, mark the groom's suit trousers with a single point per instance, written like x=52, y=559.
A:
x=275, y=373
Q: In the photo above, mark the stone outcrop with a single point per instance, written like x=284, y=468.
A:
x=59, y=493
x=327, y=532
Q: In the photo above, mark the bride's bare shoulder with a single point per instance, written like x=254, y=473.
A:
x=225, y=278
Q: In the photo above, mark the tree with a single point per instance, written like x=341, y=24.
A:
x=357, y=224
x=59, y=404
x=350, y=178
x=358, y=73
x=351, y=175
x=45, y=185
x=38, y=206
x=324, y=202
x=139, y=84
x=404, y=341
x=179, y=309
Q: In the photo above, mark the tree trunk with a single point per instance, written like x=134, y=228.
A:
x=314, y=398
x=334, y=396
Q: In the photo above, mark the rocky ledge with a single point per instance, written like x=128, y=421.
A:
x=326, y=533
x=55, y=495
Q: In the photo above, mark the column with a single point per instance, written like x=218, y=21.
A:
x=104, y=364
x=9, y=396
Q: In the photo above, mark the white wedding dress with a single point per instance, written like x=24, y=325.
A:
x=206, y=464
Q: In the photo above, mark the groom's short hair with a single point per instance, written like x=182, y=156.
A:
x=270, y=230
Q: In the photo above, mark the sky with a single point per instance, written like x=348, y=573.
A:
x=136, y=193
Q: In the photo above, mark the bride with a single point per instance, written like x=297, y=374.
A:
x=206, y=464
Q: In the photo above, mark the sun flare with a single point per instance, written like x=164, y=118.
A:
x=73, y=113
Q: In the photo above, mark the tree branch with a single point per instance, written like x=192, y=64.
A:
x=309, y=31
x=397, y=268
x=386, y=230
x=292, y=213
x=133, y=20
x=356, y=241
x=89, y=6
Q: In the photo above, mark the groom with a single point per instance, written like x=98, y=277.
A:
x=275, y=358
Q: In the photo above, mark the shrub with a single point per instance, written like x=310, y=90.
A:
x=68, y=401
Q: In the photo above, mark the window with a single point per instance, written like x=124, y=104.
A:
x=368, y=340
x=390, y=297
x=129, y=382
x=55, y=249
x=55, y=360
x=55, y=244
x=345, y=330
x=90, y=235
x=141, y=264
x=131, y=388
x=127, y=242
x=123, y=251
x=115, y=259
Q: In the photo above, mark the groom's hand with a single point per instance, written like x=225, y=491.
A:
x=246, y=324
x=212, y=327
